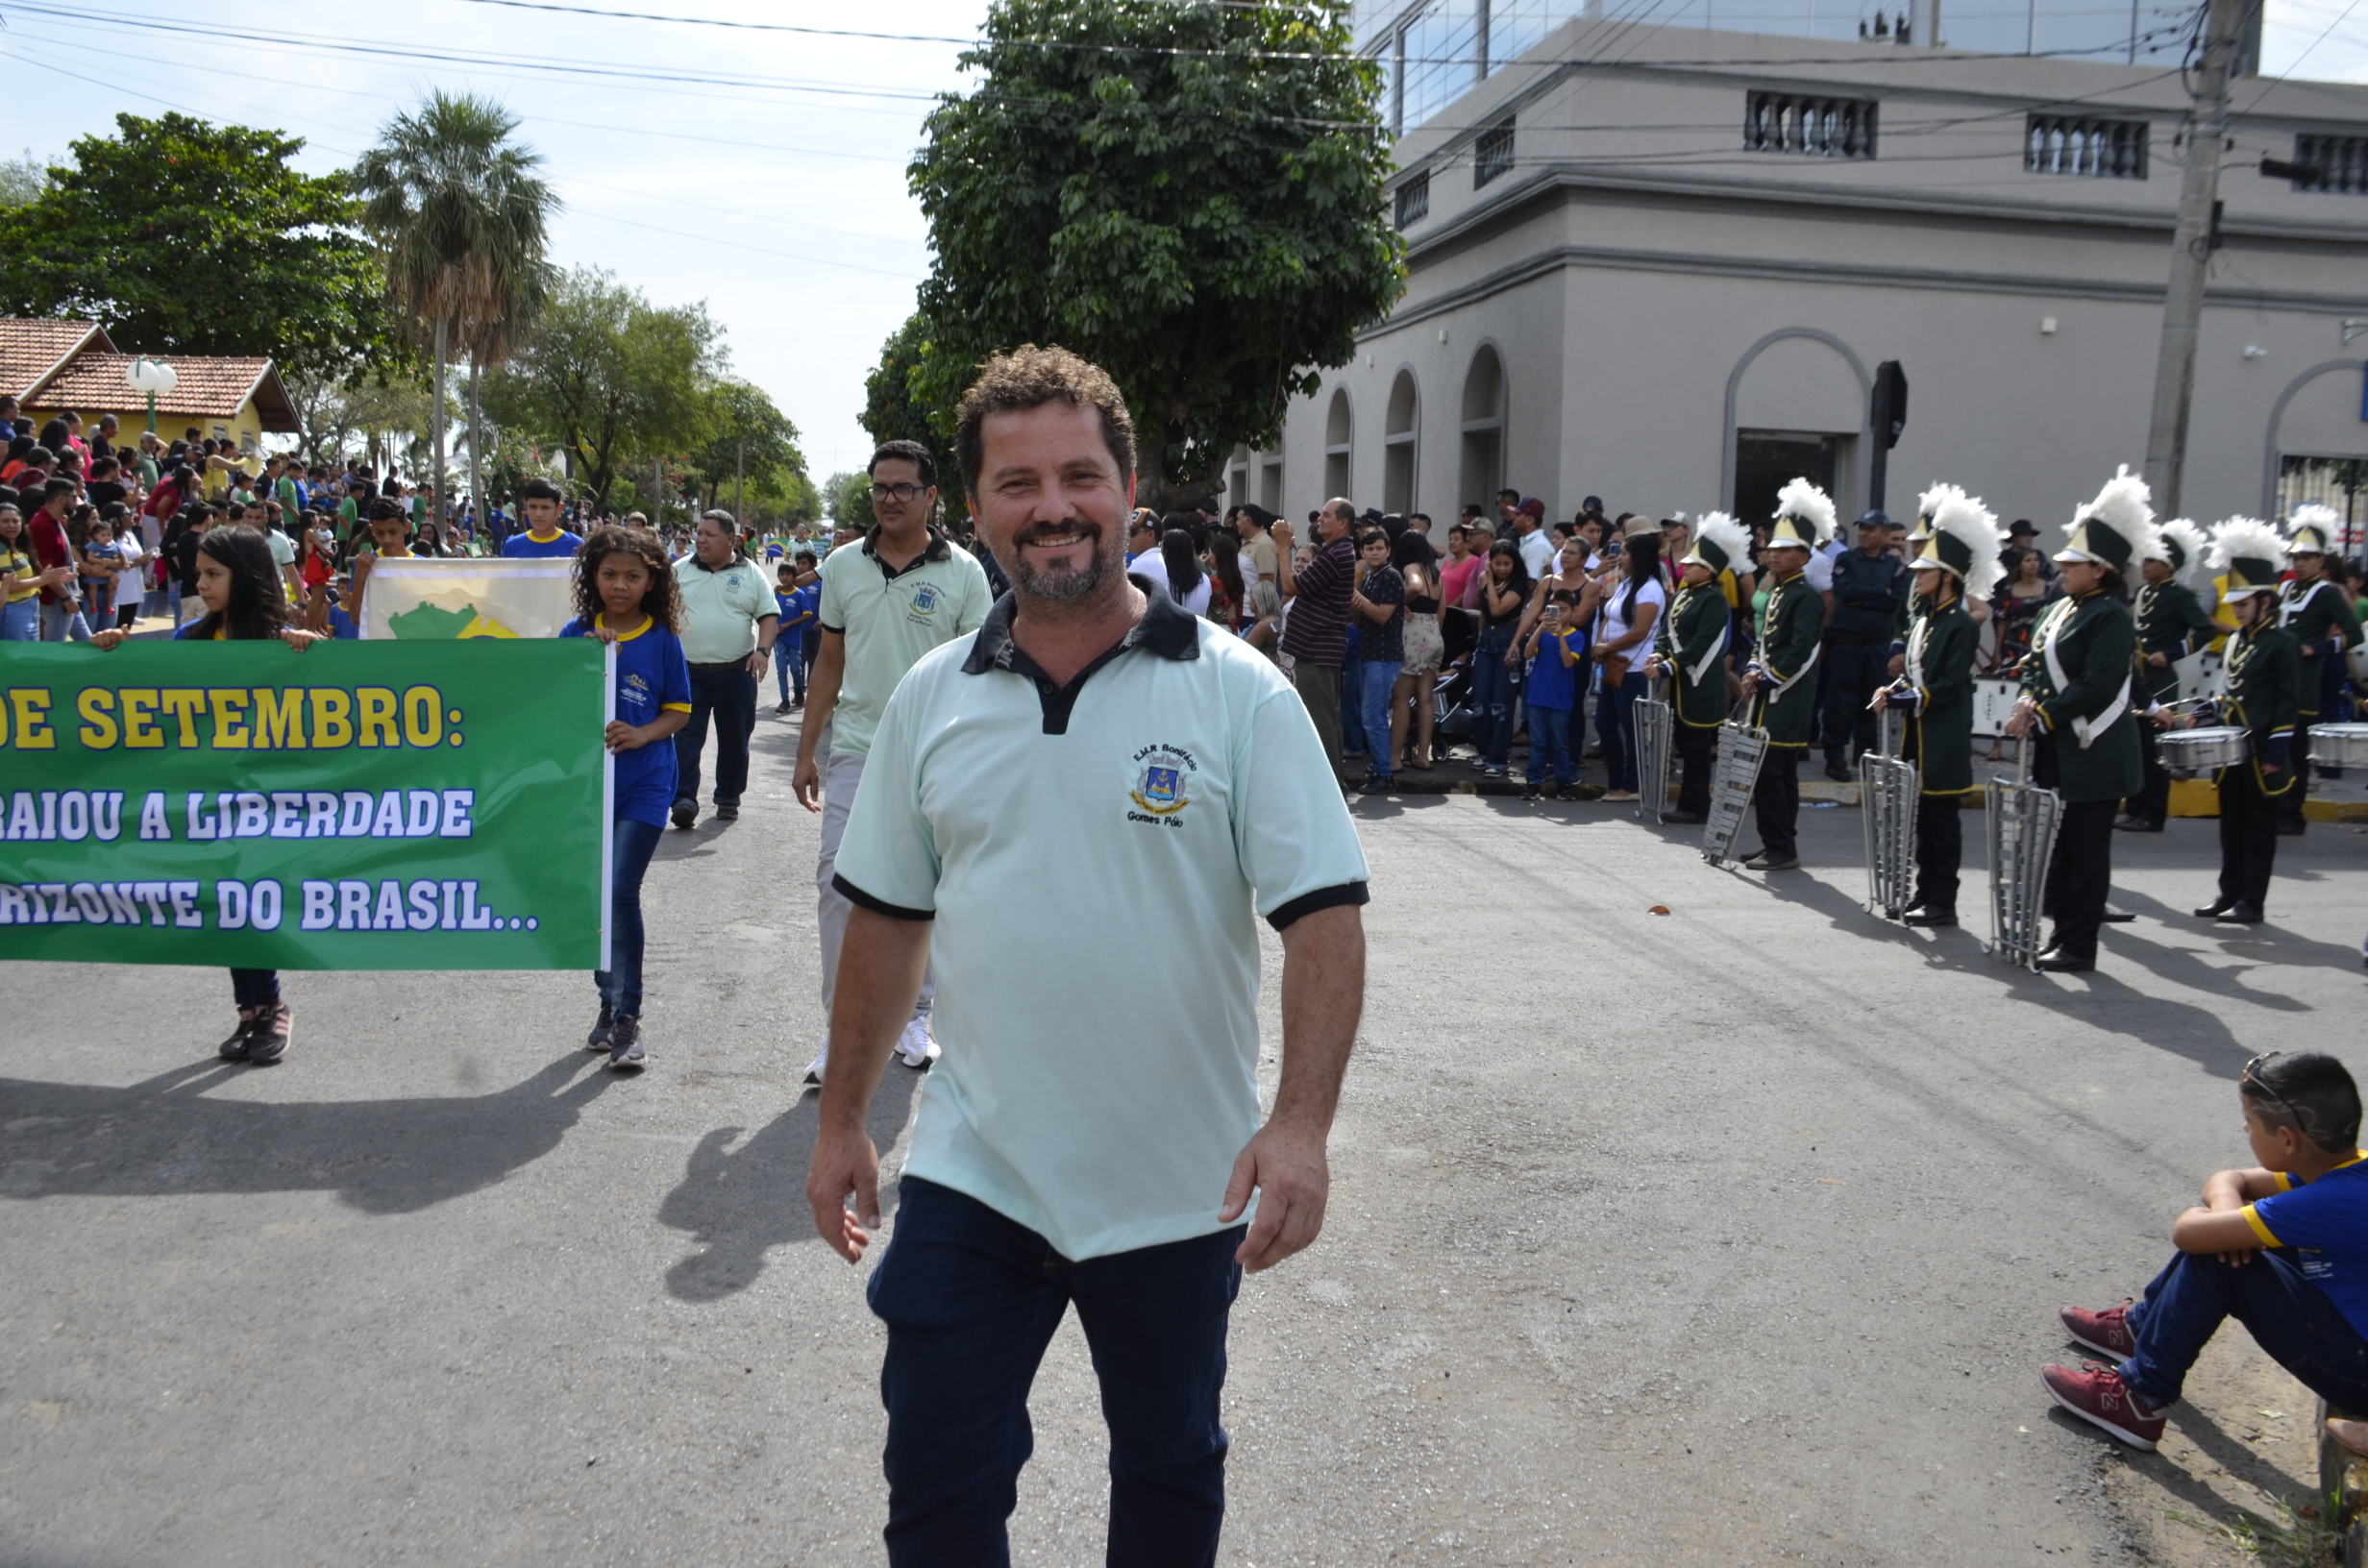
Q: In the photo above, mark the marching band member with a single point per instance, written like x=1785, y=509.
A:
x=1692, y=644
x=1958, y=561
x=2171, y=624
x=2075, y=701
x=2318, y=615
x=1784, y=699
x=2265, y=676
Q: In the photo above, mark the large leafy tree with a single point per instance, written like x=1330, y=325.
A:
x=1192, y=196
x=608, y=379
x=460, y=214
x=896, y=407
x=743, y=437
x=188, y=238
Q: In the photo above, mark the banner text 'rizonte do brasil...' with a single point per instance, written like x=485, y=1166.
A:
x=354, y=806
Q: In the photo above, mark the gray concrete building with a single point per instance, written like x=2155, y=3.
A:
x=1662, y=265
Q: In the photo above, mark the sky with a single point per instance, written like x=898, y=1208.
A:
x=758, y=169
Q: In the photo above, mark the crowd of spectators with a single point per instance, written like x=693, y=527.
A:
x=1413, y=649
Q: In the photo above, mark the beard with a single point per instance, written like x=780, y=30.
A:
x=1062, y=584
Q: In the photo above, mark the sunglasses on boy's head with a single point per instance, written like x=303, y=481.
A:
x=2251, y=1079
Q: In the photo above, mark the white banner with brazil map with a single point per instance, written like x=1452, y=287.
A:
x=438, y=600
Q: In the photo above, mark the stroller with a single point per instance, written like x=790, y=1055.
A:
x=1451, y=713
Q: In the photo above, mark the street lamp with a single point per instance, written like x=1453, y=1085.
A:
x=151, y=377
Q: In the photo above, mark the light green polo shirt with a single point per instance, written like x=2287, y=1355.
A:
x=1095, y=861
x=891, y=620
x=721, y=609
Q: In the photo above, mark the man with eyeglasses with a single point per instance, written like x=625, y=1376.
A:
x=905, y=591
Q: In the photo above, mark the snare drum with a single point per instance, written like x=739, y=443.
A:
x=2186, y=753
x=2339, y=746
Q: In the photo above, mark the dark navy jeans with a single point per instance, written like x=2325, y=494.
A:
x=971, y=1300
x=2291, y=1319
x=628, y=861
x=1493, y=694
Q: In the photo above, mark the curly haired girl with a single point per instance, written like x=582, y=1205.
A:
x=624, y=595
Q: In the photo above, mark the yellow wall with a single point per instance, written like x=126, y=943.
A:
x=246, y=427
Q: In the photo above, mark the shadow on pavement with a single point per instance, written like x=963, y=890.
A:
x=383, y=1157
x=740, y=1203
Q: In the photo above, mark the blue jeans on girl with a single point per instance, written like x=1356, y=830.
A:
x=21, y=622
x=1612, y=716
x=620, y=984
x=1492, y=685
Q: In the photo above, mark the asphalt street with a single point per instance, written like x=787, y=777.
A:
x=1729, y=1236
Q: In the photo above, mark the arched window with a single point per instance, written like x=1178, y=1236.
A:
x=1338, y=430
x=1484, y=429
x=1397, y=447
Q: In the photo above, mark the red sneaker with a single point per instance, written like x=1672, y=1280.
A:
x=2107, y=1332
x=2097, y=1395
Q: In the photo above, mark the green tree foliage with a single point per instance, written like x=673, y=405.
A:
x=608, y=377
x=849, y=498
x=742, y=433
x=195, y=238
x=1192, y=196
x=896, y=409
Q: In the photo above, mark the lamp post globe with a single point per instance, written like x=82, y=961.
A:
x=151, y=377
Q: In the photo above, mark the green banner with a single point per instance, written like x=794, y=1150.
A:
x=356, y=806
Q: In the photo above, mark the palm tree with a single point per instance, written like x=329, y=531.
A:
x=461, y=216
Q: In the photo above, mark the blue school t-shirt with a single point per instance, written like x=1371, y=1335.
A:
x=1550, y=684
x=2326, y=1222
x=804, y=602
x=526, y=544
x=652, y=678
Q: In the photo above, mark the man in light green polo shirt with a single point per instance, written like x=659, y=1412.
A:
x=728, y=622
x=1097, y=784
x=909, y=589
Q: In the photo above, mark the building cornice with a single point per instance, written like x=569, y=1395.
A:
x=1551, y=185
x=1556, y=258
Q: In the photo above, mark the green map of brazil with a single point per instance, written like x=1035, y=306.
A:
x=431, y=622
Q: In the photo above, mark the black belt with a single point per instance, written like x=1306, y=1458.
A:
x=740, y=663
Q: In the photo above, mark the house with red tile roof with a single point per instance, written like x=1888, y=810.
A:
x=53, y=366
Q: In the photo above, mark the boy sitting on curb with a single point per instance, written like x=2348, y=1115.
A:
x=2281, y=1248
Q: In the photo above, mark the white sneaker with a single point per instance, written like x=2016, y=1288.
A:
x=916, y=1048
x=814, y=1073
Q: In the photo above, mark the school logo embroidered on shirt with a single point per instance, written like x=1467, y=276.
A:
x=1161, y=783
x=925, y=600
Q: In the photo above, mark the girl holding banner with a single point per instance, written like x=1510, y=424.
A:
x=239, y=582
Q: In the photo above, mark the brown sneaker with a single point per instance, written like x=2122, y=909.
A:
x=2107, y=1332
x=267, y=1041
x=235, y=1048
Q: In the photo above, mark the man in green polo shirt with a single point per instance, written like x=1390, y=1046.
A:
x=1096, y=776
x=909, y=589
x=728, y=624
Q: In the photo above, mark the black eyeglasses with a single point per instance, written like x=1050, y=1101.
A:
x=900, y=491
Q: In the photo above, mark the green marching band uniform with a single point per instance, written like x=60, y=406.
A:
x=1936, y=689
x=2172, y=623
x=2081, y=674
x=2263, y=699
x=1692, y=647
x=1783, y=674
x=2318, y=615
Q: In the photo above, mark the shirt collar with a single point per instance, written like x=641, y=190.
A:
x=647, y=622
x=1167, y=628
x=936, y=550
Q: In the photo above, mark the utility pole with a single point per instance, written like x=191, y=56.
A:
x=2182, y=306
